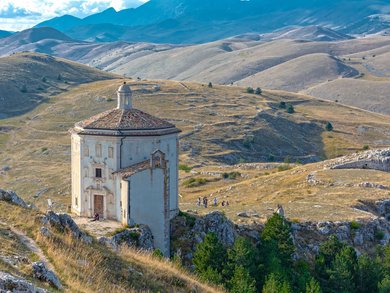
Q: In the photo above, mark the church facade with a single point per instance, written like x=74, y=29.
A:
x=125, y=168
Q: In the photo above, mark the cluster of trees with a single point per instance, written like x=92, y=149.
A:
x=270, y=267
x=256, y=91
x=289, y=108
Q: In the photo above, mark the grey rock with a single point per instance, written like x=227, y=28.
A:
x=9, y=283
x=373, y=159
x=65, y=222
x=216, y=223
x=140, y=237
x=5, y=168
x=243, y=214
x=45, y=232
x=358, y=239
x=42, y=273
x=12, y=197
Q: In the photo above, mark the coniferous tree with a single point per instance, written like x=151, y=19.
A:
x=290, y=109
x=328, y=126
x=241, y=281
x=368, y=274
x=209, y=259
x=384, y=285
x=278, y=230
x=258, y=91
x=313, y=286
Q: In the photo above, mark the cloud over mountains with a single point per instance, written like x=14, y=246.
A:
x=20, y=14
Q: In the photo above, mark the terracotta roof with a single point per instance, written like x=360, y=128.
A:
x=127, y=172
x=121, y=119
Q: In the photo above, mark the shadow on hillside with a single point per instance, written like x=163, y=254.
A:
x=275, y=138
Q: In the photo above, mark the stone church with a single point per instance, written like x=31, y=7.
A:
x=125, y=168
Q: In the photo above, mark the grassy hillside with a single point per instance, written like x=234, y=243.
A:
x=221, y=125
x=89, y=268
x=27, y=79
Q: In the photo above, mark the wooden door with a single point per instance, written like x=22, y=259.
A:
x=99, y=205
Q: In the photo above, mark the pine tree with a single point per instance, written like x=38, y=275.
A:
x=209, y=259
x=384, y=285
x=368, y=274
x=328, y=126
x=278, y=229
x=290, y=109
x=250, y=90
x=342, y=275
x=210, y=85
x=258, y=91
x=242, y=282
x=273, y=284
x=313, y=286
x=244, y=254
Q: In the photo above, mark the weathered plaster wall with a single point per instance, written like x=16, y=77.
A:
x=147, y=205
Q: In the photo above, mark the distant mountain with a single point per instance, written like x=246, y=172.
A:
x=193, y=21
x=4, y=34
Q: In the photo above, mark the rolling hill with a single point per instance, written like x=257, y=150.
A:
x=273, y=61
x=190, y=21
x=37, y=78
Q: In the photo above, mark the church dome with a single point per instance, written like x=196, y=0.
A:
x=122, y=119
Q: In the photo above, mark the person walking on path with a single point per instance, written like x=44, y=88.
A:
x=215, y=201
x=198, y=202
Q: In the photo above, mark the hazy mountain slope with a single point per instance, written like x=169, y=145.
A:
x=190, y=21
x=300, y=73
x=4, y=34
x=365, y=94
x=26, y=79
x=233, y=60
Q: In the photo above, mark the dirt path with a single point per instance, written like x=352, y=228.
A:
x=30, y=244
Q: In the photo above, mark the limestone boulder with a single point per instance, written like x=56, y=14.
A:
x=139, y=237
x=9, y=283
x=216, y=223
x=42, y=273
x=12, y=197
x=64, y=222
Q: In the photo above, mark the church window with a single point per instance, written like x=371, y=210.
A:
x=76, y=202
x=98, y=150
x=86, y=151
x=110, y=152
x=98, y=173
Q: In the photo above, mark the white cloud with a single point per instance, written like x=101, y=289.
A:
x=21, y=14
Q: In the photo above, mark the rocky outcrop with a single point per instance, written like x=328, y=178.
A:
x=375, y=159
x=12, y=197
x=42, y=273
x=140, y=237
x=216, y=223
x=363, y=235
x=64, y=222
x=189, y=230
x=9, y=283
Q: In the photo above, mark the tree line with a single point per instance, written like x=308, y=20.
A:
x=271, y=265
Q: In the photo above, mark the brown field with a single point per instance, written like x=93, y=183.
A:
x=222, y=126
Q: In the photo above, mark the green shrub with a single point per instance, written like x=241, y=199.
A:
x=210, y=85
x=231, y=175
x=284, y=167
x=282, y=105
x=354, y=225
x=185, y=168
x=290, y=109
x=258, y=91
x=366, y=147
x=328, y=126
x=194, y=182
x=250, y=90
x=157, y=254
x=379, y=234
x=190, y=220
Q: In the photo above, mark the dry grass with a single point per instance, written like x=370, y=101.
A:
x=215, y=123
x=95, y=268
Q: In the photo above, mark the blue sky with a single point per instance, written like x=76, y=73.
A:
x=17, y=15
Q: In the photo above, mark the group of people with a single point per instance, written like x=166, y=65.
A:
x=205, y=202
